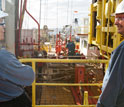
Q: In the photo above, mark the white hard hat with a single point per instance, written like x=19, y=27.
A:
x=39, y=55
x=120, y=8
x=3, y=14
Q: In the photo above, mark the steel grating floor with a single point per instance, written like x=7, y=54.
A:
x=57, y=95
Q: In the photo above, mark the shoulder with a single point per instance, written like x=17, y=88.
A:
x=121, y=45
x=6, y=56
x=119, y=49
x=5, y=51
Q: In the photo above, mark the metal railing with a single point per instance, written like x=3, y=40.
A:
x=34, y=84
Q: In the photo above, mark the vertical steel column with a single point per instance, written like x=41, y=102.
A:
x=103, y=21
x=90, y=33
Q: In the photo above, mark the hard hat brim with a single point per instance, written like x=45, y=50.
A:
x=120, y=8
x=3, y=14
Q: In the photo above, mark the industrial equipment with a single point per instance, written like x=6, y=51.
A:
x=103, y=32
x=57, y=76
x=28, y=41
x=62, y=40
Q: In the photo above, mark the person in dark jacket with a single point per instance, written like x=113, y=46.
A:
x=113, y=84
x=71, y=49
x=14, y=76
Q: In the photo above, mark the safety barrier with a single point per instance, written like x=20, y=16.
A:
x=34, y=84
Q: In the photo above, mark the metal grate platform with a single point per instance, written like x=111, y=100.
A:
x=56, y=95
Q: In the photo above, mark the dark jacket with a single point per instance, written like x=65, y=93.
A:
x=113, y=84
x=71, y=48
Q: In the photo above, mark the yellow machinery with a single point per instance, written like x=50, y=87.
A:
x=44, y=47
x=102, y=31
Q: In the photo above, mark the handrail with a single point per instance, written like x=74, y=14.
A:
x=65, y=60
x=35, y=21
x=69, y=84
x=34, y=60
x=86, y=98
x=65, y=106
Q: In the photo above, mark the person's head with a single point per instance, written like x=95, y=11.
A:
x=119, y=18
x=2, y=15
x=68, y=40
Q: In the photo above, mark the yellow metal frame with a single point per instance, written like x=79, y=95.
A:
x=105, y=30
x=64, y=60
x=34, y=84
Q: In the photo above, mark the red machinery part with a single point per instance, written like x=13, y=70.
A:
x=78, y=91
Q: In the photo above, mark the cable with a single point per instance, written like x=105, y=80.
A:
x=45, y=12
x=57, y=15
x=40, y=12
x=67, y=11
x=71, y=12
